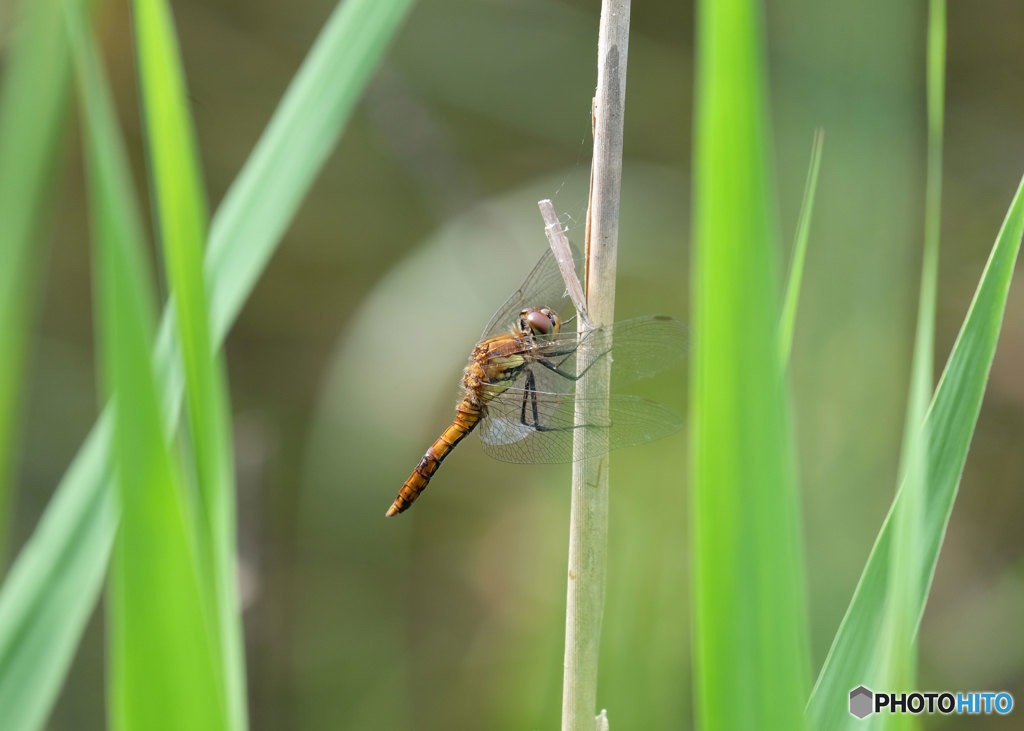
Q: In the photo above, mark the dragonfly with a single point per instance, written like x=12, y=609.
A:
x=519, y=389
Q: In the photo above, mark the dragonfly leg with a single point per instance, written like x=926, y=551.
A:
x=530, y=396
x=530, y=390
x=556, y=367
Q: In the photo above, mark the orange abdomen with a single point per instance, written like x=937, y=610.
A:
x=467, y=417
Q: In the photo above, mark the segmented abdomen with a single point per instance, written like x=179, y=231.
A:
x=466, y=418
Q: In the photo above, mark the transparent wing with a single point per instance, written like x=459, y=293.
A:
x=639, y=348
x=631, y=420
x=533, y=420
x=543, y=287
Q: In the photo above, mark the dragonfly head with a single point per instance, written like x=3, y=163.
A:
x=540, y=322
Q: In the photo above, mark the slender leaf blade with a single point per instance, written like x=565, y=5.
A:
x=162, y=650
x=34, y=94
x=796, y=266
x=59, y=571
x=51, y=590
x=749, y=612
x=896, y=645
x=261, y=202
x=949, y=425
x=181, y=213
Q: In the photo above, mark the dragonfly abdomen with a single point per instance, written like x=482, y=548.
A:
x=467, y=417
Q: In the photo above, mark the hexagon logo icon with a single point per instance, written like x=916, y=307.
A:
x=861, y=702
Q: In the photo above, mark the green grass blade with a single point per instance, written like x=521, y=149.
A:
x=51, y=590
x=305, y=127
x=949, y=426
x=749, y=594
x=796, y=265
x=179, y=202
x=162, y=650
x=896, y=645
x=34, y=95
x=59, y=572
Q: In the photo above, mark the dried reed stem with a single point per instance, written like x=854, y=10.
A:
x=588, y=529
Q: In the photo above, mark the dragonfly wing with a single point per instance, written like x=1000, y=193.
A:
x=640, y=348
x=543, y=287
x=629, y=420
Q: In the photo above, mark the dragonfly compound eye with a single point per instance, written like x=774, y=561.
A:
x=542, y=321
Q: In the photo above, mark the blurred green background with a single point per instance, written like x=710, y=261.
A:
x=345, y=363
